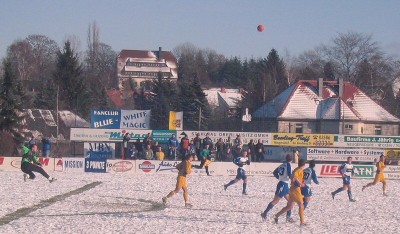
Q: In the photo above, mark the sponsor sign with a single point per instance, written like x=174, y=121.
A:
x=245, y=136
x=95, y=165
x=71, y=164
x=332, y=170
x=106, y=119
x=162, y=136
x=120, y=119
x=278, y=153
x=367, y=141
x=105, y=135
x=99, y=150
x=147, y=166
x=120, y=166
x=392, y=154
x=299, y=139
x=340, y=154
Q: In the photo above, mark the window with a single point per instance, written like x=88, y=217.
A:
x=299, y=128
x=378, y=130
x=348, y=126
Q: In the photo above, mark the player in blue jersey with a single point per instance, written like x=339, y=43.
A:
x=283, y=174
x=346, y=170
x=309, y=176
x=241, y=172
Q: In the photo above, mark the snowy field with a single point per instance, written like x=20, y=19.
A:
x=122, y=203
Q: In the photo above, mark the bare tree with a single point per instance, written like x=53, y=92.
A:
x=21, y=57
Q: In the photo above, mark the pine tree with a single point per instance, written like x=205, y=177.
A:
x=11, y=96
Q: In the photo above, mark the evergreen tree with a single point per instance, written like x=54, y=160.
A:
x=69, y=80
x=276, y=72
x=11, y=98
x=47, y=96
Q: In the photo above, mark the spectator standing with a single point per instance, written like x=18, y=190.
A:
x=259, y=148
x=228, y=155
x=133, y=153
x=220, y=145
x=184, y=146
x=125, y=145
x=172, y=146
x=139, y=147
x=155, y=147
x=46, y=145
x=148, y=153
x=32, y=142
x=197, y=143
x=148, y=140
x=251, y=150
x=228, y=143
x=238, y=142
x=207, y=141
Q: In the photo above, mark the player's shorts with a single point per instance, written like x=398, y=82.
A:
x=295, y=195
x=181, y=182
x=346, y=180
x=282, y=189
x=306, y=191
x=379, y=178
x=207, y=163
x=241, y=174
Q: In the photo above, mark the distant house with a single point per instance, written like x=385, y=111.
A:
x=136, y=67
x=223, y=100
x=311, y=106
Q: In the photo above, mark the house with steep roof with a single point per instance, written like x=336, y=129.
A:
x=317, y=106
x=136, y=67
x=224, y=100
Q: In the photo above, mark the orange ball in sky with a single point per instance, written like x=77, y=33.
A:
x=260, y=28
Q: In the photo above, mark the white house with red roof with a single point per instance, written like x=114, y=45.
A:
x=317, y=106
x=141, y=66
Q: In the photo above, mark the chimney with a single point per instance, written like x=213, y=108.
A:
x=320, y=86
x=159, y=52
x=341, y=87
x=223, y=90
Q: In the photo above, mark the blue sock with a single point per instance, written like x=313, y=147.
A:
x=289, y=213
x=350, y=195
x=244, y=187
x=269, y=207
x=230, y=183
x=338, y=191
x=305, y=204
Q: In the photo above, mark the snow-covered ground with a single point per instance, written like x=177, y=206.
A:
x=131, y=203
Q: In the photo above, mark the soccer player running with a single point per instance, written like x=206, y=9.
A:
x=184, y=169
x=295, y=195
x=346, y=170
x=283, y=174
x=379, y=177
x=241, y=172
x=30, y=164
x=309, y=175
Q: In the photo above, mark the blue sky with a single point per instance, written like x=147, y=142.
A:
x=227, y=26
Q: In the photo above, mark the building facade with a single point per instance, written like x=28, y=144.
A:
x=137, y=68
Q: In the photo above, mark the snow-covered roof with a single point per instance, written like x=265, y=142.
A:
x=302, y=101
x=229, y=98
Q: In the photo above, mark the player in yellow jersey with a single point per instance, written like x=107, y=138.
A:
x=184, y=169
x=295, y=195
x=379, y=177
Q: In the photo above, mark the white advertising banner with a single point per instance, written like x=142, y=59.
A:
x=105, y=135
x=361, y=141
x=135, y=119
x=121, y=166
x=245, y=136
x=70, y=164
x=341, y=154
x=14, y=163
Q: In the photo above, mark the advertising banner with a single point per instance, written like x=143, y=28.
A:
x=175, y=120
x=367, y=141
x=135, y=119
x=70, y=164
x=278, y=153
x=340, y=154
x=300, y=139
x=162, y=136
x=99, y=150
x=110, y=119
x=121, y=166
x=332, y=170
x=95, y=165
x=105, y=135
x=215, y=135
x=392, y=172
x=120, y=119
x=392, y=154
